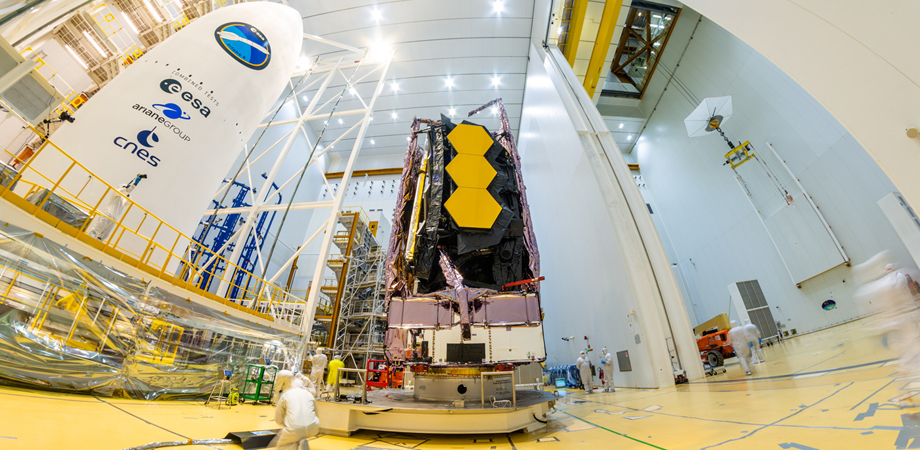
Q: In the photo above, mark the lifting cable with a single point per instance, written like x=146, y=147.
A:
x=253, y=148
x=307, y=164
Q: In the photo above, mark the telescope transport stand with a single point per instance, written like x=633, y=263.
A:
x=397, y=410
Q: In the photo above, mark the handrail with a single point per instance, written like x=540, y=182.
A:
x=271, y=303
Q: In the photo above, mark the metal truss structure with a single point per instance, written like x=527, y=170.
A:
x=361, y=323
x=326, y=80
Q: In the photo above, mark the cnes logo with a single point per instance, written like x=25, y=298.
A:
x=146, y=139
x=171, y=86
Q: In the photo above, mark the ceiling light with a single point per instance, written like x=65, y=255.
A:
x=395, y=86
x=393, y=114
x=372, y=142
x=130, y=24
x=306, y=99
x=657, y=44
x=498, y=6
x=449, y=82
x=95, y=45
x=353, y=91
x=667, y=18
x=408, y=139
x=372, y=119
x=378, y=51
x=376, y=15
x=452, y=112
x=657, y=16
x=629, y=138
x=496, y=80
x=340, y=121
x=494, y=110
x=79, y=60
x=559, y=31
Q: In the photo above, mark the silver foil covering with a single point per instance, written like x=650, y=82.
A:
x=68, y=323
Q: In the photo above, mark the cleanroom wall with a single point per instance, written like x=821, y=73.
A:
x=589, y=290
x=717, y=236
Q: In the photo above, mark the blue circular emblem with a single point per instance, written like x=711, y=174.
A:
x=245, y=43
x=829, y=305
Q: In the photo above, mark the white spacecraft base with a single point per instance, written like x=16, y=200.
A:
x=396, y=410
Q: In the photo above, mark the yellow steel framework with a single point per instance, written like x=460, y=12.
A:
x=602, y=45
x=575, y=25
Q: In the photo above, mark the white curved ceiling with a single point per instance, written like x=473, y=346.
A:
x=468, y=42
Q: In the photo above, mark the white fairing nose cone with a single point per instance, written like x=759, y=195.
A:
x=183, y=112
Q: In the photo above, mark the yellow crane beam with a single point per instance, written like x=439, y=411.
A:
x=576, y=24
x=593, y=76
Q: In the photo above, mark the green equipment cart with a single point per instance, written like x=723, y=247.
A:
x=259, y=384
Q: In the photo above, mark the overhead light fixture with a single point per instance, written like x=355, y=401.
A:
x=494, y=110
x=498, y=6
x=306, y=99
x=621, y=126
x=393, y=114
x=341, y=122
x=395, y=86
x=376, y=15
x=130, y=24
x=629, y=138
x=667, y=18
x=95, y=45
x=496, y=80
x=657, y=16
x=352, y=90
x=452, y=112
x=408, y=139
x=378, y=51
x=153, y=11
x=449, y=82
x=559, y=30
x=656, y=44
x=372, y=142
x=74, y=54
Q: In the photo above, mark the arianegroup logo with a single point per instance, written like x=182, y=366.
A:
x=245, y=43
x=172, y=111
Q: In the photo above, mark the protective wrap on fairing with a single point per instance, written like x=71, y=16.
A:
x=69, y=323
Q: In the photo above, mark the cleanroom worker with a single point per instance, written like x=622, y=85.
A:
x=334, y=367
x=318, y=361
x=584, y=369
x=753, y=335
x=607, y=365
x=296, y=412
x=737, y=338
x=282, y=383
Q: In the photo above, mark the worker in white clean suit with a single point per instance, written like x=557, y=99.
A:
x=103, y=225
x=584, y=369
x=307, y=384
x=296, y=412
x=607, y=365
x=319, y=361
x=737, y=338
x=753, y=335
x=283, y=380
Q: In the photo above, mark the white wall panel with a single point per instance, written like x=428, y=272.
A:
x=704, y=209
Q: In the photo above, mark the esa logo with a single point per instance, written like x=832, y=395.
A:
x=171, y=110
x=171, y=86
x=245, y=43
x=146, y=139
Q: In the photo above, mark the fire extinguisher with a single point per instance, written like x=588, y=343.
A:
x=602, y=377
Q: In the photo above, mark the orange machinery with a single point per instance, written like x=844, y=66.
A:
x=714, y=347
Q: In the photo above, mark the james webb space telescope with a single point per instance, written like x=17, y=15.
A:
x=462, y=266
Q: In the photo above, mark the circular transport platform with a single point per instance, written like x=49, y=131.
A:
x=397, y=410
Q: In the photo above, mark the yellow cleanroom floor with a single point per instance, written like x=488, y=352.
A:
x=833, y=389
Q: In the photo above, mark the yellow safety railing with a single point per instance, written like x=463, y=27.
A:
x=138, y=238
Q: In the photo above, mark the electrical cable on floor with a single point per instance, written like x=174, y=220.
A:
x=163, y=444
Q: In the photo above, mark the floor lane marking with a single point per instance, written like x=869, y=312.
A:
x=616, y=433
x=780, y=420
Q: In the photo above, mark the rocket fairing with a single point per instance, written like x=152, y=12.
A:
x=184, y=111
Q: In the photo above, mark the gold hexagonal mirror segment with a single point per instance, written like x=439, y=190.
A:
x=473, y=208
x=471, y=171
x=470, y=139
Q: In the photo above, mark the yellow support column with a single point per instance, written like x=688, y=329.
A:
x=576, y=23
x=601, y=45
